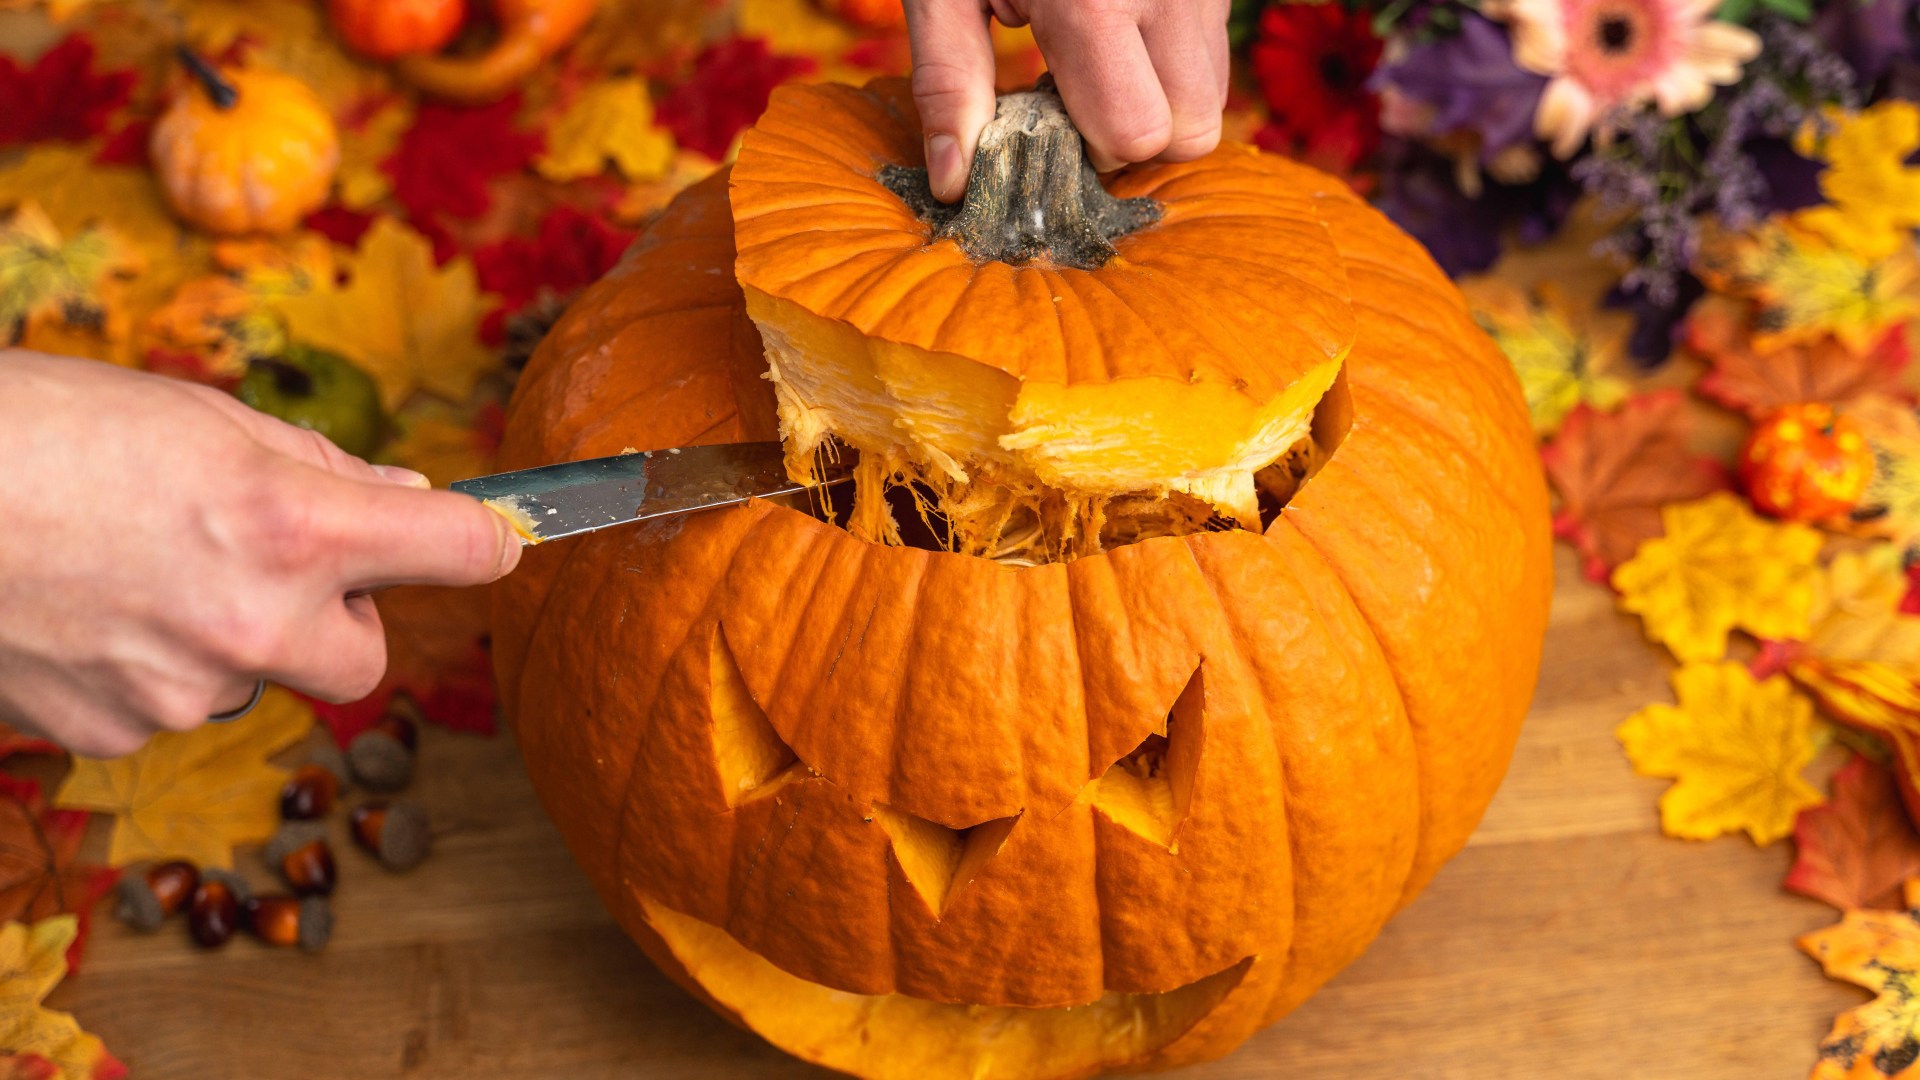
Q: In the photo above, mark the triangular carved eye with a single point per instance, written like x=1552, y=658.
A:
x=752, y=757
x=938, y=860
x=1149, y=790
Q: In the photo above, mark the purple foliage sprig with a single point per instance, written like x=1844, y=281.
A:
x=1663, y=175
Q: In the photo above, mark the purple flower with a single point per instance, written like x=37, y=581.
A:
x=1471, y=83
x=1463, y=234
x=1871, y=35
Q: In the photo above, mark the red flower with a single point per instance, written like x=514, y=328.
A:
x=60, y=96
x=1312, y=63
x=726, y=93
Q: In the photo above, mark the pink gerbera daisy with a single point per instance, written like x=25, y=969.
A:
x=1608, y=54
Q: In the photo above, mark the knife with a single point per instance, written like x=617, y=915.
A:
x=553, y=501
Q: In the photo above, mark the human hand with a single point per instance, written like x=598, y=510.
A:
x=1142, y=79
x=165, y=547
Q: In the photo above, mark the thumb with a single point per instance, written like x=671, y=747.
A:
x=952, y=86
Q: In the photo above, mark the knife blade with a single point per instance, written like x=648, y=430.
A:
x=575, y=497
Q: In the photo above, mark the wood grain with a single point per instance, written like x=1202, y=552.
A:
x=1569, y=940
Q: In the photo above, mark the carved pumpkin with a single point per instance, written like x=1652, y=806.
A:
x=1247, y=579
x=1806, y=463
x=530, y=32
x=389, y=29
x=245, y=150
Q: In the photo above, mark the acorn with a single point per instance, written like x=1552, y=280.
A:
x=299, y=853
x=146, y=900
x=215, y=911
x=312, y=790
x=381, y=757
x=396, y=833
x=291, y=920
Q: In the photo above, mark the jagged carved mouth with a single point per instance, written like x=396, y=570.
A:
x=894, y=1035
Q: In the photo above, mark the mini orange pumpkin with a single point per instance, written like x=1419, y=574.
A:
x=1245, y=580
x=1806, y=462
x=389, y=29
x=245, y=150
x=530, y=31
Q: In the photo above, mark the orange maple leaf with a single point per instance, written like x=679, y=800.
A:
x=1756, y=382
x=1857, y=850
x=1878, y=950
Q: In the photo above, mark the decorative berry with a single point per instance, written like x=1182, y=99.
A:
x=396, y=833
x=1806, y=463
x=291, y=920
x=145, y=901
x=300, y=854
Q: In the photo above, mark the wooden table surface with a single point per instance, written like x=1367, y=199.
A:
x=1569, y=940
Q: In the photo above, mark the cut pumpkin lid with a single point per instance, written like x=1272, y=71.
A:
x=1182, y=353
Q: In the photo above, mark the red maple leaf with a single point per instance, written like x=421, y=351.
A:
x=436, y=654
x=39, y=874
x=573, y=250
x=129, y=145
x=726, y=92
x=1614, y=471
x=1756, y=383
x=446, y=159
x=1859, y=849
x=340, y=225
x=60, y=96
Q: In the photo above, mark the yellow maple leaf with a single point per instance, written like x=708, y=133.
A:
x=1855, y=614
x=1890, y=507
x=1734, y=749
x=441, y=446
x=404, y=321
x=1880, y=951
x=1562, y=357
x=1806, y=287
x=43, y=274
x=1719, y=567
x=193, y=795
x=793, y=27
x=363, y=146
x=639, y=34
x=1873, y=196
x=33, y=960
x=610, y=121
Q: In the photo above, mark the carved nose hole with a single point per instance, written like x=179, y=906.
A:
x=1149, y=790
x=938, y=860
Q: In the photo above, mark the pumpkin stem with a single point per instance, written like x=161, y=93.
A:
x=223, y=93
x=1033, y=193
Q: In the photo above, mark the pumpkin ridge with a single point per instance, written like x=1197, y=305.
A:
x=1421, y=757
x=1465, y=453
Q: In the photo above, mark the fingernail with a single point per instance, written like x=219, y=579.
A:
x=509, y=549
x=944, y=167
x=394, y=474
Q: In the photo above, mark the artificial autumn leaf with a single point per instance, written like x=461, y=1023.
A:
x=574, y=249
x=1563, y=359
x=1734, y=749
x=59, y=96
x=401, y=319
x=59, y=11
x=368, y=138
x=640, y=202
x=1719, y=567
x=1614, y=471
x=40, y=873
x=612, y=121
x=1890, y=506
x=193, y=795
x=1873, y=197
x=1878, y=950
x=32, y=963
x=1807, y=288
x=793, y=27
x=725, y=93
x=1756, y=383
x=13, y=741
x=1858, y=849
x=643, y=34
x=289, y=36
x=1856, y=613
x=444, y=162
x=42, y=274
x=436, y=655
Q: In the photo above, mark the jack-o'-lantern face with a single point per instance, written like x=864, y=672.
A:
x=1128, y=771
